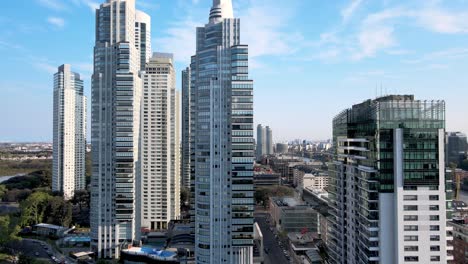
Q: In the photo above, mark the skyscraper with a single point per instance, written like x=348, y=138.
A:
x=223, y=143
x=186, y=128
x=457, y=148
x=261, y=141
x=115, y=125
x=69, y=130
x=159, y=189
x=388, y=186
x=269, y=140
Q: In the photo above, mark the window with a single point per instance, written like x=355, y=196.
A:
x=434, y=217
x=411, y=228
x=435, y=258
x=410, y=207
x=411, y=248
x=410, y=188
x=411, y=218
x=434, y=207
x=412, y=259
x=410, y=197
x=411, y=238
x=434, y=228
x=434, y=188
x=434, y=238
x=435, y=248
x=434, y=197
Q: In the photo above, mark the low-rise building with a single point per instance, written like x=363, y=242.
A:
x=258, y=255
x=291, y=215
x=49, y=230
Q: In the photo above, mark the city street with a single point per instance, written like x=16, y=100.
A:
x=275, y=253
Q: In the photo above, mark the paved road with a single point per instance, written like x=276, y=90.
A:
x=275, y=254
x=31, y=247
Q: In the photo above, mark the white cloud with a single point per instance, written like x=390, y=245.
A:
x=147, y=4
x=91, y=4
x=372, y=40
x=348, y=11
x=56, y=21
x=52, y=4
x=442, y=21
x=264, y=27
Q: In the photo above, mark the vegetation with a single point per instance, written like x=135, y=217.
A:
x=263, y=194
x=13, y=167
x=8, y=229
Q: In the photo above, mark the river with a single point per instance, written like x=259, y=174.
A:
x=6, y=178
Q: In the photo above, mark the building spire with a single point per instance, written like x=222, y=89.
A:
x=221, y=9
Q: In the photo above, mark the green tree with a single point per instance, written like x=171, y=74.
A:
x=82, y=199
x=58, y=211
x=8, y=229
x=3, y=190
x=33, y=208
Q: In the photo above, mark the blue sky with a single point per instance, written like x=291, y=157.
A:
x=310, y=59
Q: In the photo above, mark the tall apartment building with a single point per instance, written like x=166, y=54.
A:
x=388, y=185
x=186, y=128
x=269, y=141
x=261, y=141
x=159, y=190
x=69, y=131
x=115, y=125
x=223, y=141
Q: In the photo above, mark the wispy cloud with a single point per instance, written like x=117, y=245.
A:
x=53, y=4
x=263, y=27
x=45, y=66
x=348, y=11
x=147, y=4
x=56, y=22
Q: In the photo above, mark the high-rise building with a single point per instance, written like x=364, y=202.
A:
x=186, y=128
x=223, y=141
x=115, y=125
x=388, y=186
x=261, y=141
x=159, y=179
x=269, y=141
x=143, y=36
x=457, y=147
x=69, y=147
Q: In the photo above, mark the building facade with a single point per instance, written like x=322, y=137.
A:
x=388, y=185
x=69, y=132
x=186, y=128
x=261, y=142
x=115, y=125
x=159, y=190
x=457, y=148
x=269, y=141
x=223, y=143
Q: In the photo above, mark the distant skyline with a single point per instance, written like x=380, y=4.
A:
x=309, y=59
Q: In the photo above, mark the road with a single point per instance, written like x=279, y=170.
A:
x=275, y=253
x=29, y=247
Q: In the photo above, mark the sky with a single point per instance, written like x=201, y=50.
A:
x=310, y=59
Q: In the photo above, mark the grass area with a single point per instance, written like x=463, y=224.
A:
x=13, y=167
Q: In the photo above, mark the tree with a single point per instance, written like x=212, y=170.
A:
x=262, y=196
x=3, y=190
x=82, y=199
x=33, y=208
x=8, y=229
x=58, y=212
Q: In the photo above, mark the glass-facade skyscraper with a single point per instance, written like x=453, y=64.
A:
x=121, y=44
x=389, y=194
x=222, y=139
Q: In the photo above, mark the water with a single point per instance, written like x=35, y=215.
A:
x=5, y=178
